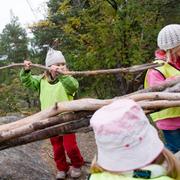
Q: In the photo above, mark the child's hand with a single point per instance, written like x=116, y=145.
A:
x=55, y=68
x=27, y=64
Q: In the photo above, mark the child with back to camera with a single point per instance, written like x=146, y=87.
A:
x=128, y=146
x=53, y=88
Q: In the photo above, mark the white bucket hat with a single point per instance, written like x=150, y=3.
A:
x=53, y=57
x=169, y=37
x=125, y=139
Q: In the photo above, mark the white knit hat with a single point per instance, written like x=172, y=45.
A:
x=169, y=37
x=54, y=57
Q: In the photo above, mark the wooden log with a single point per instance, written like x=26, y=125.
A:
x=133, y=69
x=29, y=128
x=154, y=96
x=161, y=104
x=46, y=133
x=167, y=86
x=71, y=127
x=73, y=106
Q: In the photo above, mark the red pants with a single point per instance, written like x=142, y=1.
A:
x=66, y=143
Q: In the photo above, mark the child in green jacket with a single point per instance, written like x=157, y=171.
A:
x=53, y=88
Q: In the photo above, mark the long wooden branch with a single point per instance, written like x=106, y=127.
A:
x=28, y=128
x=161, y=104
x=14, y=65
x=167, y=86
x=153, y=96
x=70, y=127
x=30, y=132
x=42, y=124
x=46, y=133
x=132, y=69
x=87, y=105
x=72, y=106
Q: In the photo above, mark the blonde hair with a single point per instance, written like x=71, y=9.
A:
x=171, y=53
x=173, y=165
x=174, y=50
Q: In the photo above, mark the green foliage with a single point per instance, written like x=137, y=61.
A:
x=13, y=41
x=14, y=97
x=98, y=34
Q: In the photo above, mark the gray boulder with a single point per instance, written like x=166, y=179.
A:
x=24, y=162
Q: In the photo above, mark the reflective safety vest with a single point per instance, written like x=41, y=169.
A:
x=167, y=71
x=110, y=176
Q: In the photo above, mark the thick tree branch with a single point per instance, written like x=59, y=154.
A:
x=46, y=133
x=88, y=105
x=42, y=124
x=132, y=69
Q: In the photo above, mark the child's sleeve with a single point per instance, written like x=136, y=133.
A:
x=154, y=77
x=29, y=80
x=70, y=84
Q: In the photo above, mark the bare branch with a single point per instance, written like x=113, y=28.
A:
x=42, y=124
x=45, y=133
x=22, y=65
x=132, y=69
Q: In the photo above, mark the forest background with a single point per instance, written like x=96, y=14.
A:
x=92, y=34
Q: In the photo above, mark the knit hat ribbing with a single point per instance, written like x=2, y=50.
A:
x=169, y=37
x=53, y=57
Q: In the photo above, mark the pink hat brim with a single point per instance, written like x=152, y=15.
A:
x=131, y=158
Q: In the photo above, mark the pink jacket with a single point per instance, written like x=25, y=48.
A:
x=154, y=77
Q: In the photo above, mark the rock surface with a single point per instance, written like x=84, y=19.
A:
x=34, y=161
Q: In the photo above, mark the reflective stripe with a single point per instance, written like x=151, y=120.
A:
x=109, y=176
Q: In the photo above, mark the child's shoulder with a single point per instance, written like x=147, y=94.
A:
x=68, y=79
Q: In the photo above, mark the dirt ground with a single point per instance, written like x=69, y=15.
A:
x=87, y=147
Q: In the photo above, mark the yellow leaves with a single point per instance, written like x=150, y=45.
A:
x=68, y=29
x=72, y=25
x=64, y=7
x=42, y=23
x=75, y=21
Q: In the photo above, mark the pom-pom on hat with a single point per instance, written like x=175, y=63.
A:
x=125, y=139
x=54, y=57
x=169, y=37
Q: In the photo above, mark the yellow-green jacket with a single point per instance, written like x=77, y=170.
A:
x=167, y=70
x=63, y=90
x=109, y=176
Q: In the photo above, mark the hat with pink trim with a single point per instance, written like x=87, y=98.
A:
x=125, y=139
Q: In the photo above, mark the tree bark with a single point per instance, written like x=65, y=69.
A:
x=91, y=105
x=167, y=86
x=71, y=106
x=35, y=127
x=29, y=128
x=154, y=96
x=46, y=133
